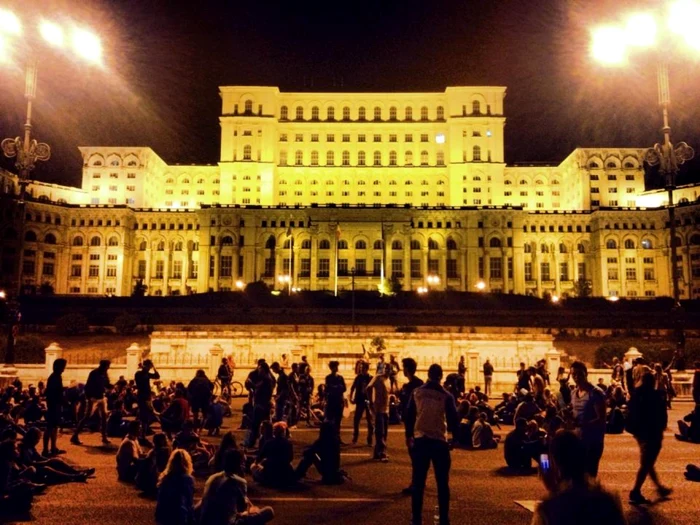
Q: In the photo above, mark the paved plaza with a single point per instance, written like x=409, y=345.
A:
x=483, y=491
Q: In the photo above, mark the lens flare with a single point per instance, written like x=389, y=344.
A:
x=684, y=20
x=641, y=30
x=87, y=45
x=9, y=23
x=52, y=33
x=608, y=46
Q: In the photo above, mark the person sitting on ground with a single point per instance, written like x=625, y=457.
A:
x=265, y=435
x=273, y=466
x=324, y=454
x=505, y=410
x=51, y=471
x=215, y=416
x=155, y=462
x=574, y=499
x=200, y=451
x=175, y=504
x=482, y=434
x=16, y=491
x=228, y=442
x=129, y=453
x=689, y=427
x=176, y=414
x=225, y=500
x=527, y=409
x=517, y=450
x=117, y=426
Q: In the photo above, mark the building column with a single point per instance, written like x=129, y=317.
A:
x=133, y=358
x=216, y=353
x=442, y=269
x=462, y=268
x=214, y=252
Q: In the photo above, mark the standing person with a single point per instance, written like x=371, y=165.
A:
x=175, y=505
x=199, y=391
x=225, y=375
x=461, y=366
x=142, y=378
x=696, y=383
x=378, y=392
x=306, y=390
x=54, y=407
x=394, y=370
x=409, y=370
x=523, y=378
x=646, y=421
x=285, y=394
x=588, y=403
x=574, y=497
x=488, y=377
x=95, y=390
x=335, y=389
x=431, y=412
x=358, y=396
x=262, y=386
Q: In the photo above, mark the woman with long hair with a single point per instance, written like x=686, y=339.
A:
x=176, y=491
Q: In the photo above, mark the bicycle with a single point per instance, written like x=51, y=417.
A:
x=235, y=389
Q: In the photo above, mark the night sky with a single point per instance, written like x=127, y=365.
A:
x=164, y=61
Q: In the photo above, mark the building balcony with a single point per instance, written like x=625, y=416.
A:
x=323, y=275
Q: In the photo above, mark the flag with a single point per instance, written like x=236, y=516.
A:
x=337, y=231
x=289, y=232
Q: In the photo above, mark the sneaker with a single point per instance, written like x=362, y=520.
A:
x=75, y=440
x=46, y=453
x=407, y=491
x=664, y=492
x=636, y=498
x=57, y=452
x=106, y=441
x=89, y=472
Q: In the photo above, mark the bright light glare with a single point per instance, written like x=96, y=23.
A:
x=87, y=45
x=2, y=294
x=555, y=298
x=440, y=138
x=608, y=46
x=52, y=33
x=9, y=23
x=684, y=20
x=480, y=285
x=641, y=30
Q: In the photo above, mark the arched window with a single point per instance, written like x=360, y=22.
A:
x=142, y=246
x=361, y=115
x=392, y=113
x=306, y=244
x=330, y=158
x=360, y=158
x=408, y=158
x=113, y=241
x=342, y=244
x=544, y=248
x=287, y=244
x=377, y=158
x=329, y=182
x=423, y=158
x=298, y=182
x=178, y=246
x=247, y=152
x=377, y=113
x=324, y=244
x=161, y=246
x=424, y=183
x=299, y=158
x=30, y=236
x=346, y=158
x=476, y=153
x=527, y=248
x=392, y=158
x=248, y=106
x=95, y=241
x=415, y=244
x=270, y=243
x=581, y=248
x=433, y=244
x=314, y=113
x=440, y=113
x=396, y=245
x=378, y=245
x=495, y=242
x=476, y=107
x=648, y=245
x=299, y=113
x=360, y=245
x=361, y=182
x=562, y=248
x=283, y=158
x=424, y=113
x=409, y=113
x=50, y=238
x=314, y=158
x=195, y=246
x=440, y=161
x=523, y=182
x=170, y=181
x=611, y=244
x=284, y=113
x=451, y=244
x=330, y=113
x=629, y=244
x=392, y=183
x=508, y=182
x=678, y=241
x=227, y=241
x=346, y=113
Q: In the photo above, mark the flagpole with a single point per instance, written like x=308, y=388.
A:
x=381, y=278
x=291, y=263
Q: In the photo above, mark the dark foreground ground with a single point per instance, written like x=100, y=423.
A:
x=482, y=491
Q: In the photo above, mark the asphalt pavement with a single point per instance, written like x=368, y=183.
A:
x=483, y=491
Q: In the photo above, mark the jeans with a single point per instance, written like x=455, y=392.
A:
x=260, y=414
x=380, y=432
x=425, y=451
x=594, y=451
x=487, y=385
x=95, y=405
x=281, y=409
x=360, y=409
x=334, y=413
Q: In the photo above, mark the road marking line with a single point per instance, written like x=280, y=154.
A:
x=329, y=500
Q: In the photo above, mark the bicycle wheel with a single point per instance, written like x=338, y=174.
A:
x=217, y=388
x=237, y=389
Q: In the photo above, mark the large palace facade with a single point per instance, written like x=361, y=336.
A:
x=309, y=186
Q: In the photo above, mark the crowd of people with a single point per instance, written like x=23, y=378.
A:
x=560, y=422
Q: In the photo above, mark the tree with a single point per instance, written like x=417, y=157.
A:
x=139, y=289
x=395, y=284
x=583, y=288
x=378, y=345
x=126, y=323
x=72, y=324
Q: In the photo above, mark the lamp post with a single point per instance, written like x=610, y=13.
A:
x=352, y=287
x=26, y=150
x=286, y=282
x=610, y=46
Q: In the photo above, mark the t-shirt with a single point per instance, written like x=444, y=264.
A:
x=358, y=387
x=54, y=390
x=335, y=388
x=143, y=384
x=380, y=394
x=224, y=495
x=583, y=404
x=129, y=451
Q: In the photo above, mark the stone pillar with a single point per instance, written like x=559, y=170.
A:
x=133, y=358
x=216, y=353
x=53, y=352
x=553, y=358
x=472, y=367
x=632, y=354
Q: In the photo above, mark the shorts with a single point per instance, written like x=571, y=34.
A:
x=53, y=415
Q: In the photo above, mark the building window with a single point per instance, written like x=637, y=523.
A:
x=377, y=158
x=299, y=158
x=111, y=271
x=330, y=158
x=160, y=268
x=299, y=113
x=361, y=158
x=612, y=274
x=397, y=267
x=346, y=113
x=226, y=269
x=631, y=273
x=476, y=107
x=496, y=268
x=409, y=113
x=314, y=113
x=544, y=271
x=247, y=152
x=330, y=113
x=346, y=158
x=141, y=272
x=564, y=271
x=476, y=153
x=314, y=158
x=324, y=267
x=93, y=270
